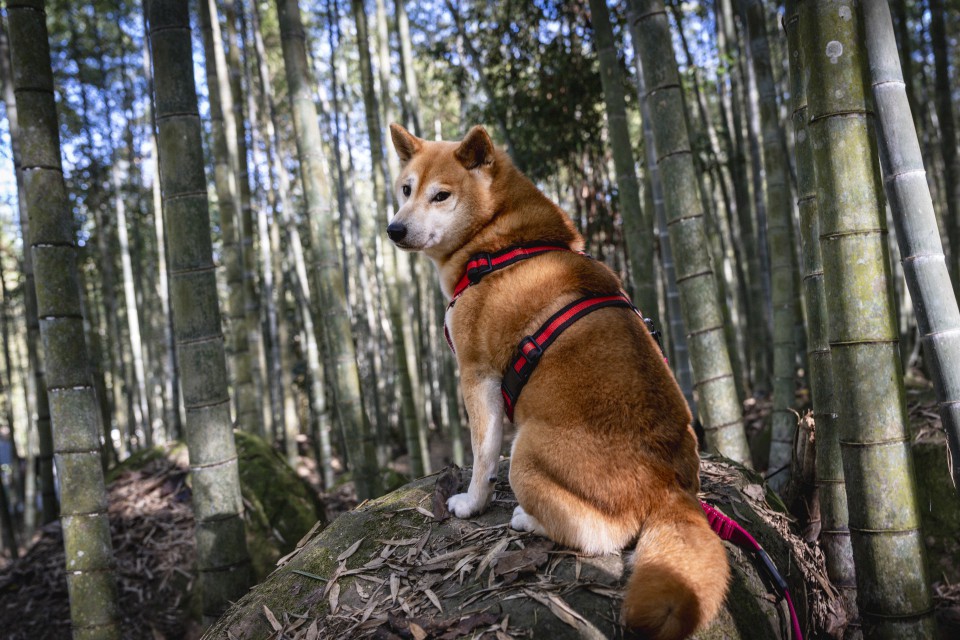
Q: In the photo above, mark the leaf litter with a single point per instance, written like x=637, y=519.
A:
x=152, y=530
x=440, y=586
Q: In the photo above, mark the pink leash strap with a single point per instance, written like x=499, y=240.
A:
x=729, y=530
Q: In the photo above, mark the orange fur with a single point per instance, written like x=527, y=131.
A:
x=604, y=454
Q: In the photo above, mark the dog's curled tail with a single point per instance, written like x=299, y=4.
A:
x=680, y=573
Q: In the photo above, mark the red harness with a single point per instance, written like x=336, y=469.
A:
x=480, y=264
x=531, y=348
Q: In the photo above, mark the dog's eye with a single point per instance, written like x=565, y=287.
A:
x=405, y=189
x=440, y=197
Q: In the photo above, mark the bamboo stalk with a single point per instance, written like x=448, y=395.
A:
x=222, y=558
x=781, y=250
x=73, y=405
x=915, y=222
x=638, y=224
x=171, y=374
x=394, y=265
x=40, y=407
x=751, y=285
x=676, y=334
x=893, y=591
x=341, y=355
x=252, y=409
x=720, y=408
x=223, y=146
x=946, y=117
x=829, y=482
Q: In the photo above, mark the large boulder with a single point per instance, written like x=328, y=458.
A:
x=394, y=568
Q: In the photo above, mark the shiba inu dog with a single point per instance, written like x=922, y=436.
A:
x=604, y=455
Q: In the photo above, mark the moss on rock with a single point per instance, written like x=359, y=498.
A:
x=281, y=507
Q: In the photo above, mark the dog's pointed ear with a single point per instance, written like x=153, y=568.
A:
x=476, y=149
x=406, y=144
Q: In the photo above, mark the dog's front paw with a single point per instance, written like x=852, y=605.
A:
x=464, y=505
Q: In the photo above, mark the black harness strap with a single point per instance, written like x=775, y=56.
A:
x=531, y=348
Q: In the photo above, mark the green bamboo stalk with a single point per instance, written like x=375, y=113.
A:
x=893, y=591
x=781, y=243
x=752, y=287
x=40, y=407
x=222, y=557
x=411, y=324
x=8, y=539
x=410, y=94
x=171, y=382
x=720, y=409
x=73, y=404
x=353, y=250
x=638, y=224
x=676, y=335
x=253, y=410
x=395, y=273
x=16, y=478
x=948, y=134
x=341, y=354
x=713, y=217
x=915, y=222
x=7, y=528
x=279, y=193
x=834, y=528
x=751, y=102
x=223, y=145
x=267, y=342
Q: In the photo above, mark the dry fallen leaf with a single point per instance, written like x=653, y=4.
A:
x=334, y=597
x=424, y=512
x=434, y=599
x=525, y=560
x=417, y=631
x=352, y=549
x=272, y=619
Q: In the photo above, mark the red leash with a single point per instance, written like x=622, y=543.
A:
x=729, y=530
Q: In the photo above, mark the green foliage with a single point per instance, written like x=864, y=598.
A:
x=538, y=59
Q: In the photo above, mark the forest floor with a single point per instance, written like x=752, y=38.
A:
x=152, y=528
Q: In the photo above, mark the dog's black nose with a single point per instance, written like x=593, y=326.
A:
x=397, y=231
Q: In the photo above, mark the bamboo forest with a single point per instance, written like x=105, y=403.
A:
x=237, y=400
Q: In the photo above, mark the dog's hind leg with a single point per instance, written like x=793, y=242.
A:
x=552, y=510
x=523, y=521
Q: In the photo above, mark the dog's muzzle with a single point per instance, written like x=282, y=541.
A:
x=397, y=231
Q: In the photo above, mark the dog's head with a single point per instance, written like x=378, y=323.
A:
x=444, y=191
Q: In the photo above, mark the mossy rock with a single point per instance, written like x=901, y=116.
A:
x=389, y=564
x=280, y=506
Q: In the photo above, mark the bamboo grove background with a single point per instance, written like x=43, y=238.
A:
x=228, y=265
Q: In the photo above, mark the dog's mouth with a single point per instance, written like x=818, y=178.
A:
x=413, y=244
x=403, y=246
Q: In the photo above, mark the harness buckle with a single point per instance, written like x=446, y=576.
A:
x=655, y=333
x=533, y=354
x=474, y=274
